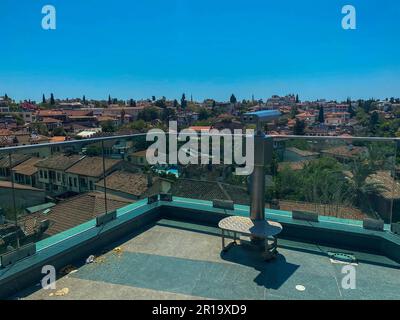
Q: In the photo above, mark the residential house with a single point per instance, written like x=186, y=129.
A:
x=308, y=117
x=26, y=173
x=83, y=175
x=337, y=118
x=7, y=163
x=52, y=173
x=133, y=185
x=51, y=123
x=138, y=158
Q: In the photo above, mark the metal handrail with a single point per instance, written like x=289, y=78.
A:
x=370, y=139
x=100, y=139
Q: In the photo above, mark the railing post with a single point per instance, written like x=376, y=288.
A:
x=13, y=198
x=104, y=177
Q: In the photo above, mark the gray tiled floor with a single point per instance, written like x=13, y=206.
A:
x=177, y=260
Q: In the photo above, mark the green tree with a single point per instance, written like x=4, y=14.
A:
x=20, y=121
x=161, y=103
x=148, y=114
x=109, y=100
x=293, y=112
x=168, y=114
x=204, y=114
x=52, y=102
x=59, y=131
x=43, y=99
x=373, y=122
x=299, y=127
x=361, y=186
x=183, y=101
x=138, y=125
x=93, y=150
x=108, y=126
x=321, y=116
x=351, y=111
x=233, y=99
x=39, y=128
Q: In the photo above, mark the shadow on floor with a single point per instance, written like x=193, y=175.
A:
x=273, y=274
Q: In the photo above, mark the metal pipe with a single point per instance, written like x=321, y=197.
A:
x=257, y=205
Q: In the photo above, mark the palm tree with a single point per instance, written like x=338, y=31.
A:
x=361, y=187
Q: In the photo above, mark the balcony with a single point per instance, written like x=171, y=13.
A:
x=337, y=200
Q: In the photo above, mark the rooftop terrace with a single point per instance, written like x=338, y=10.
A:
x=179, y=260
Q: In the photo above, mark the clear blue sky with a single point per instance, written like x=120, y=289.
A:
x=208, y=48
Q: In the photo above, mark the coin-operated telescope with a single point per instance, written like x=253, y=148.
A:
x=263, y=148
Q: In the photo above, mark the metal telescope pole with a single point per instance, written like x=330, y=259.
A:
x=262, y=155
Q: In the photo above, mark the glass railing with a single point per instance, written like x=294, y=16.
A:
x=50, y=188
x=345, y=178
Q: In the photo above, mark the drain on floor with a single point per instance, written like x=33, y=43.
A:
x=342, y=258
x=299, y=287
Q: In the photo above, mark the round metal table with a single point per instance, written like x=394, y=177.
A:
x=263, y=229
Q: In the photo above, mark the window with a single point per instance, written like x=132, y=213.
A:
x=41, y=174
x=75, y=182
x=45, y=174
x=91, y=185
x=70, y=181
x=58, y=176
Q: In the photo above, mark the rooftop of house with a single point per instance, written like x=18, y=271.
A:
x=92, y=166
x=16, y=159
x=27, y=167
x=200, y=128
x=50, y=120
x=303, y=153
x=78, y=112
x=57, y=139
x=50, y=113
x=106, y=118
x=136, y=184
x=141, y=153
x=292, y=165
x=59, y=162
x=345, y=151
x=80, y=209
x=209, y=190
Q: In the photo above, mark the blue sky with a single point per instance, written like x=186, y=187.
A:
x=207, y=48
